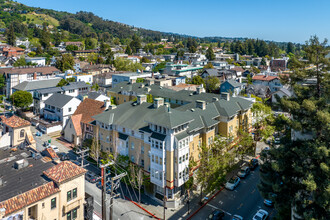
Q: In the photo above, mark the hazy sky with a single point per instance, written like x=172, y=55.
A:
x=278, y=20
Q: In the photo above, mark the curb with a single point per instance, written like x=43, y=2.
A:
x=195, y=212
x=154, y=216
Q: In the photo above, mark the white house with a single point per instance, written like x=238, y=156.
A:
x=273, y=82
x=96, y=96
x=283, y=92
x=40, y=61
x=60, y=107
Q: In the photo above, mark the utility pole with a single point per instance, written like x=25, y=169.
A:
x=82, y=156
x=113, y=186
x=103, y=169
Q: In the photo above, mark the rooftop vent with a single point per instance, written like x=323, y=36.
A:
x=21, y=164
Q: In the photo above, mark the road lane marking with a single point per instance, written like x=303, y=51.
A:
x=240, y=206
x=253, y=191
x=218, y=208
x=220, y=202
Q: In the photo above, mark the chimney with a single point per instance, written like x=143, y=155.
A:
x=106, y=104
x=201, y=104
x=200, y=89
x=225, y=96
x=35, y=75
x=141, y=99
x=158, y=102
x=111, y=107
x=133, y=81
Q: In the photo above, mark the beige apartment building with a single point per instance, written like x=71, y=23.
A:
x=162, y=139
x=38, y=188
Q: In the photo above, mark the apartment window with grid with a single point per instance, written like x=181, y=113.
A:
x=132, y=145
x=180, y=160
x=72, y=214
x=53, y=203
x=199, y=143
x=187, y=156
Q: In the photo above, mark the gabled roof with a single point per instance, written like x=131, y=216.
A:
x=88, y=108
x=37, y=84
x=58, y=100
x=212, y=72
x=76, y=120
x=264, y=78
x=27, y=198
x=50, y=151
x=93, y=95
x=15, y=121
x=75, y=85
x=233, y=83
x=64, y=171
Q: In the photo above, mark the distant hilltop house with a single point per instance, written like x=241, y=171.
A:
x=23, y=41
x=40, y=61
x=84, y=53
x=279, y=64
x=78, y=44
x=10, y=51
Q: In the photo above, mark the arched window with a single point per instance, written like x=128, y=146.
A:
x=22, y=132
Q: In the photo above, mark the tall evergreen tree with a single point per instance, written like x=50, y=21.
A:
x=45, y=38
x=297, y=172
x=11, y=37
x=210, y=54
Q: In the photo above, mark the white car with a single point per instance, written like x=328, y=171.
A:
x=260, y=215
x=55, y=148
x=233, y=183
x=237, y=217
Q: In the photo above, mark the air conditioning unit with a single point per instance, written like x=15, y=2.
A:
x=21, y=164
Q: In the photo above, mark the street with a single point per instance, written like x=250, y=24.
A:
x=245, y=200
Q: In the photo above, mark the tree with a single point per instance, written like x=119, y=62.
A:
x=90, y=43
x=95, y=87
x=122, y=64
x=64, y=63
x=128, y=50
x=208, y=66
x=136, y=177
x=210, y=54
x=10, y=34
x=158, y=67
x=135, y=44
x=150, y=99
x=2, y=82
x=140, y=80
x=297, y=172
x=197, y=80
x=45, y=38
x=21, y=99
x=71, y=47
x=212, y=83
x=62, y=82
x=20, y=62
x=145, y=60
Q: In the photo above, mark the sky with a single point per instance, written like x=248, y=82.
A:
x=276, y=20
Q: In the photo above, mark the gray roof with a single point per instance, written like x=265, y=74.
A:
x=58, y=100
x=234, y=83
x=93, y=95
x=50, y=90
x=212, y=72
x=181, y=135
x=158, y=136
x=122, y=136
x=38, y=84
x=76, y=85
x=285, y=91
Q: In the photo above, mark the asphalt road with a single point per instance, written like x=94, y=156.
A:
x=245, y=200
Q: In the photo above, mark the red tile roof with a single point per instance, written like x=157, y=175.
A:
x=238, y=69
x=15, y=121
x=76, y=120
x=64, y=171
x=88, y=108
x=264, y=78
x=20, y=201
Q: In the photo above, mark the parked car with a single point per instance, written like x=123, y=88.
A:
x=253, y=164
x=55, y=148
x=216, y=214
x=244, y=172
x=260, y=215
x=63, y=156
x=91, y=177
x=237, y=217
x=270, y=200
x=232, y=183
x=277, y=141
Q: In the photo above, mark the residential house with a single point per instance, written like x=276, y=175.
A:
x=16, y=131
x=209, y=72
x=84, y=53
x=104, y=80
x=232, y=86
x=79, y=126
x=40, y=61
x=96, y=69
x=10, y=51
x=163, y=140
x=81, y=77
x=23, y=41
x=16, y=75
x=128, y=77
x=60, y=107
x=273, y=82
x=78, y=44
x=96, y=96
x=38, y=188
x=282, y=92
x=258, y=90
x=180, y=70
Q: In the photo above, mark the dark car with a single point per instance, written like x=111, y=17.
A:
x=91, y=177
x=253, y=164
x=63, y=156
x=216, y=215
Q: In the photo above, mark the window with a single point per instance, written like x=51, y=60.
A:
x=142, y=162
x=132, y=145
x=180, y=160
x=156, y=159
x=156, y=144
x=153, y=158
x=161, y=161
x=22, y=133
x=187, y=156
x=132, y=133
x=124, y=130
x=199, y=143
x=74, y=193
x=69, y=109
x=53, y=203
x=69, y=196
x=180, y=175
x=72, y=214
x=161, y=145
x=43, y=205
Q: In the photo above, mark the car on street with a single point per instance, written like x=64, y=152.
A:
x=237, y=217
x=232, y=183
x=243, y=172
x=55, y=148
x=253, y=163
x=63, y=156
x=91, y=177
x=216, y=214
x=260, y=215
x=268, y=202
x=277, y=141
